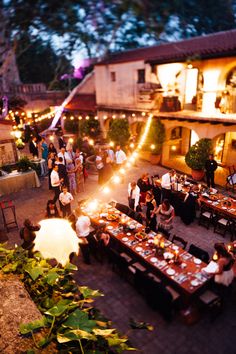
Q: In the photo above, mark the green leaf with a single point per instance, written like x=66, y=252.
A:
x=59, y=308
x=115, y=340
x=34, y=272
x=103, y=332
x=31, y=326
x=75, y=334
x=70, y=266
x=51, y=277
x=11, y=267
x=87, y=292
x=44, y=341
x=79, y=319
x=30, y=351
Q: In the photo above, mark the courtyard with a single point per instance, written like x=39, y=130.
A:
x=122, y=302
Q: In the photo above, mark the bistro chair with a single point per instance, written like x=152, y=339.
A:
x=199, y=253
x=119, y=264
x=9, y=215
x=212, y=302
x=207, y=217
x=224, y=225
x=179, y=241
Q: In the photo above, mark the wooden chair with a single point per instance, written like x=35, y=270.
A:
x=199, y=253
x=224, y=225
x=179, y=241
x=212, y=302
x=207, y=217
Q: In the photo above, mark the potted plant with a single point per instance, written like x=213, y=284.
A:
x=156, y=138
x=196, y=157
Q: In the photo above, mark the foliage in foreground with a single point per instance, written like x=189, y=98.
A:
x=69, y=319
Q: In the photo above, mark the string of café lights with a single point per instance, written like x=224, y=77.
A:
x=117, y=178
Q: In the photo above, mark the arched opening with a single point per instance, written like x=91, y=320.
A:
x=181, y=139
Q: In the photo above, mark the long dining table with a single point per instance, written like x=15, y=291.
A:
x=186, y=274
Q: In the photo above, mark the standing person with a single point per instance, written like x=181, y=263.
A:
x=56, y=183
x=100, y=166
x=51, y=148
x=151, y=209
x=167, y=214
x=111, y=154
x=79, y=175
x=210, y=167
x=51, y=162
x=33, y=147
x=44, y=148
x=144, y=186
x=65, y=198
x=64, y=155
x=83, y=232
x=224, y=275
x=107, y=169
x=62, y=171
x=120, y=157
x=167, y=182
x=133, y=195
x=70, y=168
x=61, y=142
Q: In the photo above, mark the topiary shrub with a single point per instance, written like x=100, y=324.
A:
x=119, y=131
x=156, y=136
x=198, y=154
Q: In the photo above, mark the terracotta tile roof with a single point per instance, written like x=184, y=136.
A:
x=82, y=103
x=209, y=46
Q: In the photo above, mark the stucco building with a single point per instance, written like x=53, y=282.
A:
x=190, y=85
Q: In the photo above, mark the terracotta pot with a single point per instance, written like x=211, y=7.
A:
x=155, y=159
x=198, y=174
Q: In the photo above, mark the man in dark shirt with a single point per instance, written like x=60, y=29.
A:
x=210, y=166
x=33, y=147
x=62, y=171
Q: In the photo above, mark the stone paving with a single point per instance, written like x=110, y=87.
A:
x=121, y=301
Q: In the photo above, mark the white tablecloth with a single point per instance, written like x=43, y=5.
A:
x=15, y=182
x=43, y=166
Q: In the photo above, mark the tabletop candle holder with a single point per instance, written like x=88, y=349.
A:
x=215, y=257
x=176, y=257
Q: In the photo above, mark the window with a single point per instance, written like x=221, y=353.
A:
x=113, y=76
x=141, y=76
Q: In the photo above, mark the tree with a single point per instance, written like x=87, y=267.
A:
x=38, y=62
x=90, y=127
x=156, y=136
x=119, y=131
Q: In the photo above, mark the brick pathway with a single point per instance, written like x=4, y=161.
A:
x=121, y=301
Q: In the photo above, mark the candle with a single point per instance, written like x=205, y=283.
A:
x=185, y=177
x=199, y=186
x=156, y=241
x=162, y=244
x=229, y=248
x=215, y=257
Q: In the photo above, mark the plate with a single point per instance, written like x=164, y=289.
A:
x=101, y=221
x=197, y=261
x=138, y=249
x=128, y=234
x=175, y=247
x=224, y=208
x=109, y=227
x=168, y=255
x=125, y=239
x=141, y=236
x=111, y=217
x=194, y=283
x=132, y=227
x=170, y=271
x=153, y=259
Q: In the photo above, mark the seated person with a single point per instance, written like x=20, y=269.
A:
x=27, y=234
x=51, y=210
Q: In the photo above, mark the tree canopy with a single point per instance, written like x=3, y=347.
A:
x=102, y=26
